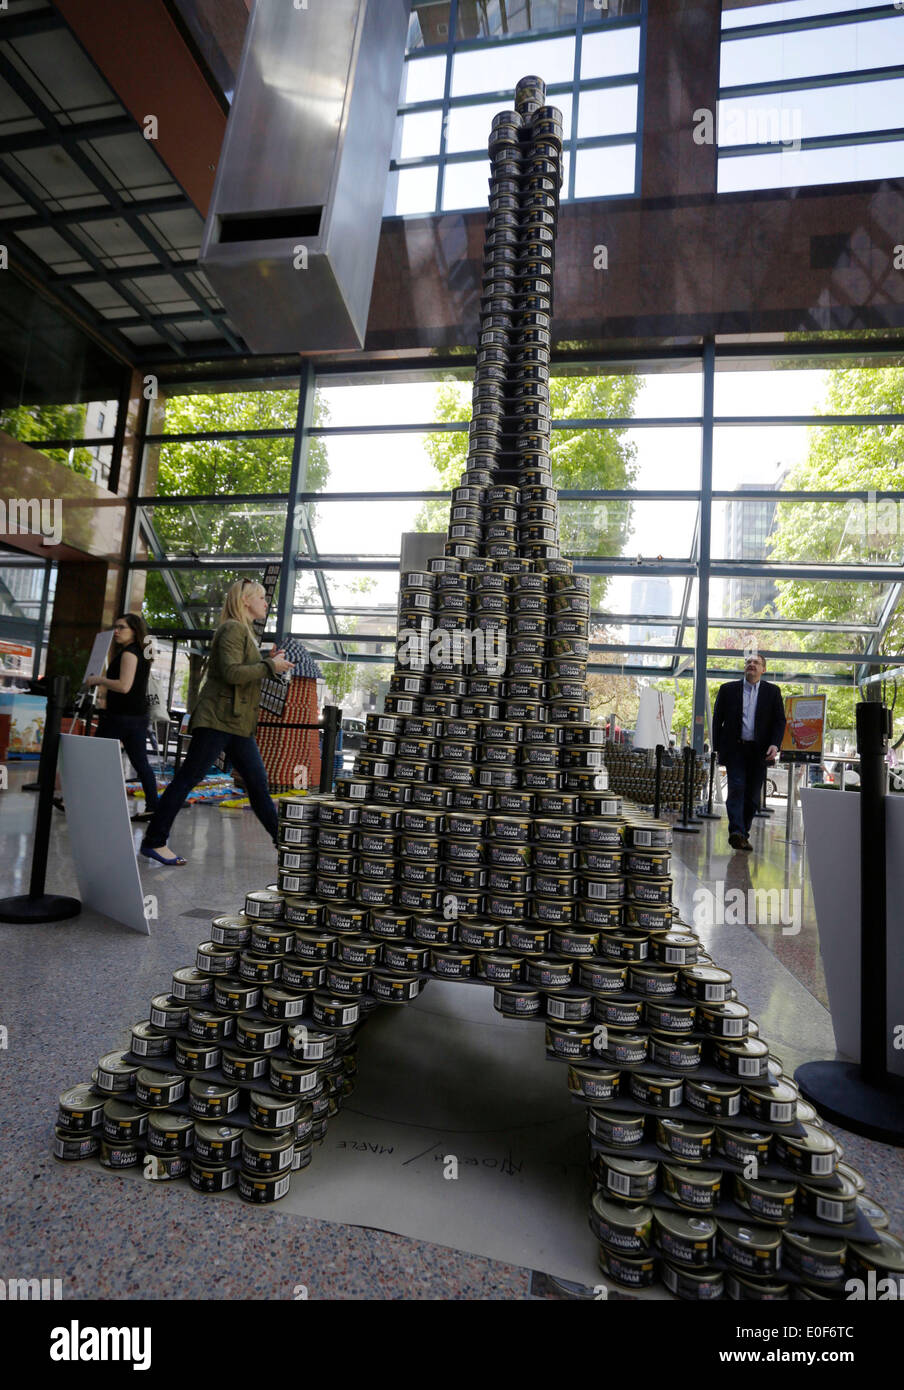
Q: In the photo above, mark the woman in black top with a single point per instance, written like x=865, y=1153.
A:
x=126, y=714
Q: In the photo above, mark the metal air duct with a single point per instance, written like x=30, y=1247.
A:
x=291, y=237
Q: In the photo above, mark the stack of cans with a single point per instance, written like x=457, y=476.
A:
x=506, y=506
x=297, y=838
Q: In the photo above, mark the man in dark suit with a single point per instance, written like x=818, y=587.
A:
x=748, y=727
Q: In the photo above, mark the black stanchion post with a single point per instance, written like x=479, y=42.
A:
x=867, y=1098
x=709, y=813
x=332, y=720
x=871, y=745
x=657, y=789
x=686, y=824
x=37, y=906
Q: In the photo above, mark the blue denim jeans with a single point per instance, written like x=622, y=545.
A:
x=132, y=732
x=205, y=747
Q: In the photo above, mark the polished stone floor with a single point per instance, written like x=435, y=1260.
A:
x=69, y=992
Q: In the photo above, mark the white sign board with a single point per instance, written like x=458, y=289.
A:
x=100, y=831
x=832, y=824
x=100, y=650
x=654, y=718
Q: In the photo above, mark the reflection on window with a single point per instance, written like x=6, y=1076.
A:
x=798, y=106
x=461, y=81
x=498, y=69
x=604, y=173
x=418, y=134
x=608, y=111
x=609, y=54
x=411, y=190
x=423, y=79
x=799, y=169
x=482, y=19
x=465, y=185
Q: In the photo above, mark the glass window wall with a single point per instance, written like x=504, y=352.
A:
x=805, y=516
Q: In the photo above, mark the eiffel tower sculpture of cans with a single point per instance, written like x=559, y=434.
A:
x=476, y=840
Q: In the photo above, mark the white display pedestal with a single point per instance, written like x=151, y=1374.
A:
x=832, y=824
x=100, y=830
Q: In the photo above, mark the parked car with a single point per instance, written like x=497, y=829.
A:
x=353, y=731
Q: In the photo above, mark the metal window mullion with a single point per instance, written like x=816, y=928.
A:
x=297, y=479
x=206, y=563
x=851, y=77
x=816, y=21
x=592, y=422
x=41, y=621
x=892, y=418
x=119, y=435
x=816, y=142
x=215, y=436
x=444, y=118
x=589, y=84
x=213, y=498
x=701, y=642
x=575, y=100
x=641, y=97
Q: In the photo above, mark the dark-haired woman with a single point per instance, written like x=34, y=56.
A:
x=126, y=714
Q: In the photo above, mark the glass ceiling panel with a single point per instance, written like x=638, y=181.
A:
x=234, y=528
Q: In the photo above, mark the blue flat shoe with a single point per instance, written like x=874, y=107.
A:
x=152, y=854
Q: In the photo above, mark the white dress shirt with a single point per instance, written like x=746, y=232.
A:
x=748, y=718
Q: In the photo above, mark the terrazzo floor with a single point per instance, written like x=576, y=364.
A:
x=69, y=991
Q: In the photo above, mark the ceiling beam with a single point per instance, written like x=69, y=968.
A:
x=140, y=52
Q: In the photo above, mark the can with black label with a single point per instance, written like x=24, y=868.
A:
x=238, y=1065
x=574, y=1042
x=658, y=1092
x=210, y=1100
x=123, y=1123
x=169, y=1133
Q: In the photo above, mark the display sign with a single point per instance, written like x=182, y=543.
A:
x=805, y=717
x=16, y=660
x=100, y=650
x=27, y=715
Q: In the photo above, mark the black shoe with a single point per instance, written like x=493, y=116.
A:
x=142, y=815
x=745, y=844
x=736, y=841
x=58, y=803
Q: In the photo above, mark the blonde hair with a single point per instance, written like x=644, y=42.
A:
x=234, y=609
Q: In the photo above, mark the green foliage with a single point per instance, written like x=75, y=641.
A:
x=32, y=423
x=223, y=468
x=340, y=678
x=865, y=457
x=345, y=678
x=600, y=459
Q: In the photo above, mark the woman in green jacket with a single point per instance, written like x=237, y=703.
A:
x=225, y=718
